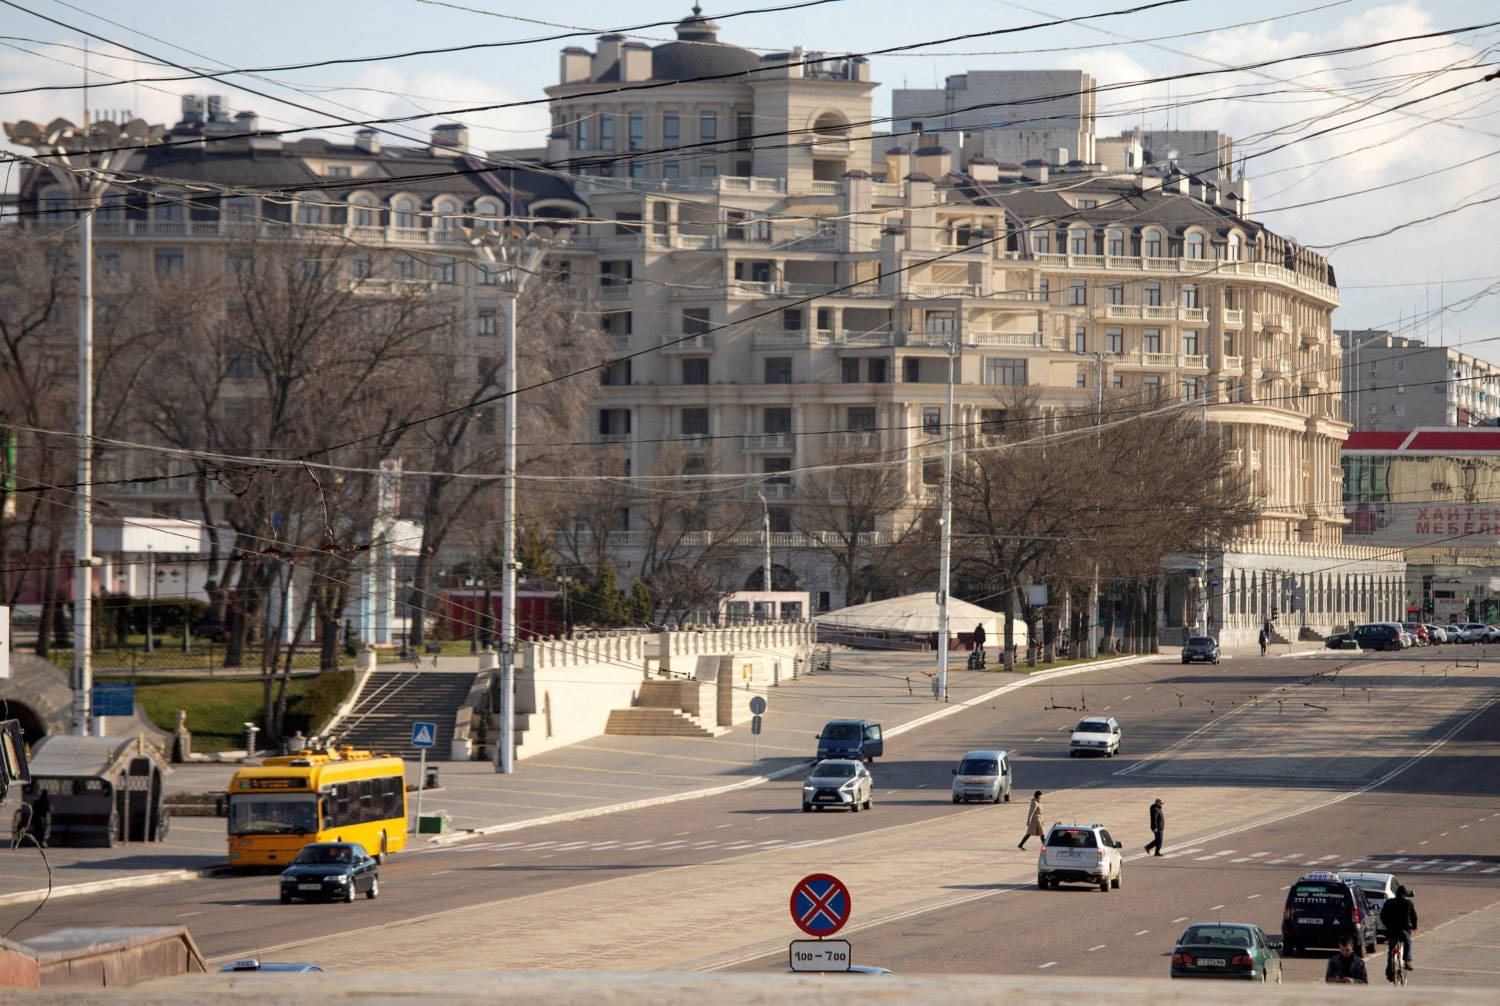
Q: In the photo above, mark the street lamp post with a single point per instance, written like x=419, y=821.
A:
x=514, y=255
x=1093, y=618
x=66, y=152
x=564, y=587
x=945, y=547
x=151, y=575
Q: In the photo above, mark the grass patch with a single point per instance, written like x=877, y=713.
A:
x=218, y=708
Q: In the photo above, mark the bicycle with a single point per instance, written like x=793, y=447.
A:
x=1395, y=967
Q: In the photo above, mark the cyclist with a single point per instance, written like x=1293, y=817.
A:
x=1399, y=917
x=1344, y=968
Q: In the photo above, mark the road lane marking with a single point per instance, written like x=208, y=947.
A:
x=439, y=873
x=1251, y=897
x=1181, y=918
x=1218, y=908
x=1049, y=964
x=187, y=915
x=681, y=833
x=1143, y=932
x=1099, y=947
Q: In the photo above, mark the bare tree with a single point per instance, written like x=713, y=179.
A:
x=840, y=508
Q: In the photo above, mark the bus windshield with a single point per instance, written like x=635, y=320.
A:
x=273, y=814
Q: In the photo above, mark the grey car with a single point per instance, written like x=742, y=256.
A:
x=838, y=782
x=1204, y=648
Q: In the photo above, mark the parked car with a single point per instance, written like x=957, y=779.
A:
x=857, y=739
x=838, y=782
x=1095, y=735
x=250, y=964
x=1079, y=854
x=1236, y=950
x=1321, y=909
x=1378, y=887
x=1338, y=640
x=330, y=871
x=1474, y=632
x=1378, y=636
x=1418, y=632
x=1200, y=648
x=982, y=775
x=1437, y=634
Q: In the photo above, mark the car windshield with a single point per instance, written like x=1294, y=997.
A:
x=978, y=766
x=1093, y=727
x=836, y=770
x=841, y=732
x=323, y=855
x=1200, y=641
x=1222, y=936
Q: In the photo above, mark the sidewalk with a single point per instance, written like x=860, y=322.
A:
x=602, y=775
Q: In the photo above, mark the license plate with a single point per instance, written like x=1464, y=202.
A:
x=309, y=887
x=1211, y=962
x=828, y=797
x=1310, y=922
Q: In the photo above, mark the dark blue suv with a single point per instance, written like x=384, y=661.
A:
x=857, y=739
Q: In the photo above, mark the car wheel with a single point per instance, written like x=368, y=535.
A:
x=997, y=797
x=349, y=893
x=1278, y=974
x=1104, y=885
x=955, y=799
x=1116, y=882
x=1041, y=881
x=1185, y=660
x=819, y=808
x=806, y=808
x=870, y=801
x=374, y=891
x=286, y=899
x=854, y=806
x=1007, y=796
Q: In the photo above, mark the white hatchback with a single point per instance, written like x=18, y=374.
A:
x=1095, y=735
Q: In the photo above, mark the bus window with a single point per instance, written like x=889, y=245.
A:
x=272, y=814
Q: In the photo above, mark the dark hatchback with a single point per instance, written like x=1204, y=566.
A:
x=1377, y=636
x=1321, y=909
x=330, y=871
x=1204, y=648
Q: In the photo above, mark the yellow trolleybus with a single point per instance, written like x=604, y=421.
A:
x=338, y=795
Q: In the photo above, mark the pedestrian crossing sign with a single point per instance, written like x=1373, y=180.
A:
x=423, y=734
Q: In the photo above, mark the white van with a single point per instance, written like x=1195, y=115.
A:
x=982, y=775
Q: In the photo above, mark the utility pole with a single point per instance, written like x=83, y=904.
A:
x=1093, y=619
x=515, y=255
x=945, y=527
x=65, y=151
x=766, y=535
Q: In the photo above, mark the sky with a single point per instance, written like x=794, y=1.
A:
x=1358, y=154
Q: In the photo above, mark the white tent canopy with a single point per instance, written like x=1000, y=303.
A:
x=918, y=614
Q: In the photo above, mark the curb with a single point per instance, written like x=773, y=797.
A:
x=111, y=884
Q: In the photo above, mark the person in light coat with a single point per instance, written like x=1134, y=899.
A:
x=1033, y=819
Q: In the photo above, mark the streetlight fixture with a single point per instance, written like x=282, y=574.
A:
x=66, y=151
x=514, y=255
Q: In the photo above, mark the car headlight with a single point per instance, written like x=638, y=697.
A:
x=850, y=785
x=340, y=879
x=808, y=787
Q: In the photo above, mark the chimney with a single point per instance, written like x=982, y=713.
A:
x=897, y=164
x=213, y=108
x=635, y=61
x=246, y=122
x=368, y=141
x=1149, y=179
x=192, y=108
x=450, y=138
x=1034, y=170
x=934, y=162
x=984, y=169
x=574, y=65
x=607, y=55
x=1057, y=156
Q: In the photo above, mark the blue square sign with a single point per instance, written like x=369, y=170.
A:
x=423, y=734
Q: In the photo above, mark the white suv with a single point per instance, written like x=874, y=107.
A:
x=1079, y=854
x=1095, y=735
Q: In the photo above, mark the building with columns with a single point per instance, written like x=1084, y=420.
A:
x=778, y=294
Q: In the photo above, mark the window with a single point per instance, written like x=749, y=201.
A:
x=1041, y=241
x=671, y=170
x=708, y=170
x=615, y=272
x=1004, y=371
x=708, y=127
x=337, y=171
x=1077, y=292
x=1114, y=341
x=1190, y=295
x=1232, y=250
x=627, y=224
x=1044, y=291
x=778, y=468
x=860, y=418
x=1400, y=388
x=876, y=370
x=671, y=130
x=1114, y=242
x=637, y=170
x=1151, y=385
x=309, y=213
x=932, y=471
x=168, y=210
x=637, y=131
x=486, y=323
x=778, y=370
x=1078, y=242
x=1153, y=244
x=169, y=261
x=1195, y=246
x=616, y=374
x=1080, y=340
x=1229, y=340
x=992, y=422
x=695, y=370
x=444, y=270
x=1400, y=408
x=1400, y=366
x=791, y=319
x=403, y=267
x=744, y=129
x=240, y=209
x=695, y=321
x=1081, y=380
x=1151, y=340
x=1190, y=389
x=941, y=322
x=485, y=276
x=1116, y=381
x=932, y=420
x=1088, y=204
x=241, y=366
x=606, y=132
x=694, y=422
x=776, y=420
x=1115, y=293
x=112, y=207
x=617, y=324
x=406, y=214
x=365, y=213
x=583, y=133
x=1190, y=343
x=911, y=370
x=850, y=370
x=1151, y=295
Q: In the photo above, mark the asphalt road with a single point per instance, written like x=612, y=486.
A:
x=1268, y=768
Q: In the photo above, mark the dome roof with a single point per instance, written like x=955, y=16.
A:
x=698, y=52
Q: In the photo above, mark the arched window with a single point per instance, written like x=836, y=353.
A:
x=445, y=216
x=487, y=214
x=1195, y=246
x=405, y=213
x=1078, y=241
x=1233, y=251
x=1153, y=244
x=365, y=213
x=1114, y=242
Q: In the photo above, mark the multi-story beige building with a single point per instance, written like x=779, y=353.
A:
x=784, y=295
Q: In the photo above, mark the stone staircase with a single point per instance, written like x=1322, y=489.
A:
x=392, y=701
x=669, y=708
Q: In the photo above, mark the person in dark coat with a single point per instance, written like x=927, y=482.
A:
x=1344, y=968
x=1158, y=822
x=1399, y=918
x=979, y=637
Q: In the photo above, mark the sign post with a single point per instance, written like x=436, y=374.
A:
x=422, y=736
x=820, y=906
x=757, y=706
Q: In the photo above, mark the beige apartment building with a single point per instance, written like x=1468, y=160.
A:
x=787, y=286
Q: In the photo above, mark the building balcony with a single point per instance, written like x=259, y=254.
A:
x=1151, y=312
x=391, y=286
x=869, y=338
x=773, y=491
x=1010, y=340
x=1192, y=361
x=1314, y=379
x=692, y=441
x=854, y=440
x=1232, y=317
x=613, y=291
x=1277, y=322
x=1233, y=365
x=782, y=338
x=943, y=290
x=778, y=442
x=686, y=343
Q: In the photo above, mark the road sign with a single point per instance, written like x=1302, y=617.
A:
x=114, y=699
x=819, y=955
x=757, y=705
x=820, y=904
x=423, y=734
x=755, y=724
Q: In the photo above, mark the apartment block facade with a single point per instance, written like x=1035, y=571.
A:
x=1393, y=382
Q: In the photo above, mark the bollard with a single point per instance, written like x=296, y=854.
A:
x=432, y=777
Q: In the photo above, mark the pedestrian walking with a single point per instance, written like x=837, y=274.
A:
x=1158, y=825
x=1033, y=819
x=1264, y=640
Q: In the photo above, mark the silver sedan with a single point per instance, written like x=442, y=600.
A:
x=838, y=782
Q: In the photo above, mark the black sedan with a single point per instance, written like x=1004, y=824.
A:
x=1201, y=648
x=1227, y=950
x=330, y=871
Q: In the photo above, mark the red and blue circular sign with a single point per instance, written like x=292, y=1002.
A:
x=821, y=904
